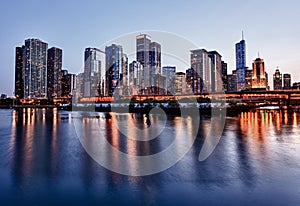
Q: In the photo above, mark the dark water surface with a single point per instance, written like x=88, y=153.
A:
x=42, y=162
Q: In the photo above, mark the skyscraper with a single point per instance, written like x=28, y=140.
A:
x=68, y=84
x=215, y=81
x=136, y=78
x=232, y=82
x=114, y=59
x=54, y=75
x=201, y=67
x=94, y=72
x=277, y=80
x=19, y=79
x=180, y=84
x=155, y=61
x=259, y=75
x=224, y=76
x=170, y=73
x=35, y=69
x=149, y=55
x=287, y=81
x=240, y=55
x=248, y=79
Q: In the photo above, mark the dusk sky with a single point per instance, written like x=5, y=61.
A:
x=271, y=28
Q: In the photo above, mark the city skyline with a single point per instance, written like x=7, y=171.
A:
x=270, y=42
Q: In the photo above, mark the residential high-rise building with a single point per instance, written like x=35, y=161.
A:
x=35, y=69
x=224, y=76
x=259, y=81
x=240, y=55
x=287, y=81
x=94, y=72
x=114, y=66
x=277, y=80
x=170, y=73
x=19, y=79
x=54, y=75
x=180, y=84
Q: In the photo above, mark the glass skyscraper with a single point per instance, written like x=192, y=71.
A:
x=114, y=66
x=240, y=55
x=94, y=73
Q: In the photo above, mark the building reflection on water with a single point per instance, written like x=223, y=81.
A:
x=45, y=153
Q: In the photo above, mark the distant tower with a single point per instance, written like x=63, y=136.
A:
x=240, y=55
x=258, y=74
x=277, y=80
x=286, y=81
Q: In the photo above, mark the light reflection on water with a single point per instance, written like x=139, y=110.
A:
x=44, y=162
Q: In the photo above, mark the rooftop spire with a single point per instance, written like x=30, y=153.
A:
x=258, y=55
x=242, y=35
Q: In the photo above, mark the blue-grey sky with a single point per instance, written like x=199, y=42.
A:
x=270, y=26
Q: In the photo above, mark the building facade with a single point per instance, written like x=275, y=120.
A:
x=170, y=73
x=259, y=81
x=277, y=80
x=54, y=73
x=35, y=69
x=224, y=76
x=240, y=56
x=287, y=81
x=180, y=84
x=19, y=79
x=94, y=72
x=114, y=66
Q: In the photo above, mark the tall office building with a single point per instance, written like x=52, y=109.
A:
x=259, y=80
x=155, y=61
x=54, y=74
x=19, y=79
x=79, y=86
x=180, y=84
x=149, y=55
x=208, y=71
x=94, y=72
x=136, y=78
x=287, y=81
x=232, y=82
x=114, y=66
x=189, y=77
x=170, y=73
x=35, y=69
x=215, y=81
x=240, y=55
x=277, y=80
x=248, y=79
x=224, y=76
x=68, y=84
x=200, y=65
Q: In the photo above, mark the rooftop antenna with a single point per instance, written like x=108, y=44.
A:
x=258, y=55
x=242, y=35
